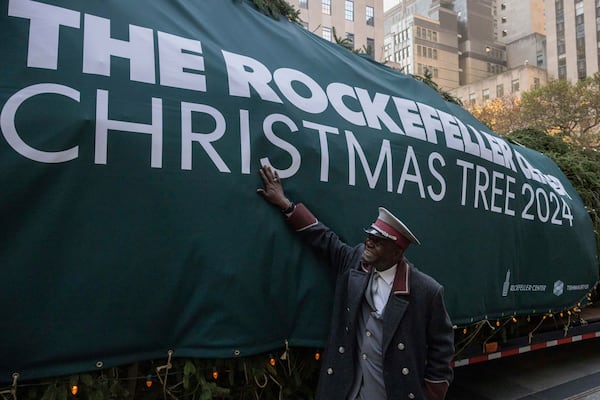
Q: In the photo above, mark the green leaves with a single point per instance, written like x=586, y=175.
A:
x=278, y=8
x=570, y=109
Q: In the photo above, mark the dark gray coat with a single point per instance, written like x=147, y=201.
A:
x=418, y=339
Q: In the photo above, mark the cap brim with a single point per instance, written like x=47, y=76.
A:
x=375, y=232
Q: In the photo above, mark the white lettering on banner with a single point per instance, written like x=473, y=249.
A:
x=7, y=123
x=103, y=125
x=180, y=63
x=385, y=162
x=583, y=286
x=336, y=93
x=482, y=190
x=282, y=144
x=98, y=47
x=245, y=141
x=431, y=122
x=323, y=131
x=179, y=69
x=535, y=174
x=188, y=136
x=45, y=21
x=315, y=104
x=410, y=162
x=522, y=287
x=245, y=72
x=451, y=131
x=411, y=118
x=374, y=110
x=438, y=177
x=385, y=155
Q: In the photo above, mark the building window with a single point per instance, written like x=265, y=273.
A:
x=578, y=7
x=536, y=83
x=504, y=32
x=560, y=38
x=503, y=6
x=561, y=48
x=499, y=90
x=472, y=99
x=515, y=85
x=326, y=7
x=327, y=33
x=485, y=95
x=349, y=10
x=562, y=67
x=303, y=3
x=580, y=39
x=503, y=19
x=540, y=60
x=434, y=36
x=370, y=16
x=371, y=47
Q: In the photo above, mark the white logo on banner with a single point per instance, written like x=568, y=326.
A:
x=559, y=287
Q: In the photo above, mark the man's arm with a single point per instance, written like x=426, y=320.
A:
x=440, y=349
x=318, y=236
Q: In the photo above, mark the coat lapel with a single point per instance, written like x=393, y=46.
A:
x=356, y=287
x=397, y=304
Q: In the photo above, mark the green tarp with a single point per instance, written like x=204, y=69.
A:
x=132, y=134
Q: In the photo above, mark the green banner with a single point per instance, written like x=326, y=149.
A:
x=131, y=137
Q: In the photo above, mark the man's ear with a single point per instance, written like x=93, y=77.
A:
x=398, y=253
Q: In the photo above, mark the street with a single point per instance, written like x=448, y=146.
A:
x=570, y=371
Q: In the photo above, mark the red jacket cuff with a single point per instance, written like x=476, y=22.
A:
x=435, y=391
x=301, y=218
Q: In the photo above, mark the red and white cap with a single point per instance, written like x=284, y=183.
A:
x=387, y=226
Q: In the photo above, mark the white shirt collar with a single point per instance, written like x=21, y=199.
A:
x=388, y=275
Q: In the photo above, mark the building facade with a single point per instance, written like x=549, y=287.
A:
x=481, y=54
x=573, y=32
x=521, y=26
x=465, y=35
x=510, y=83
x=515, y=19
x=360, y=21
x=418, y=43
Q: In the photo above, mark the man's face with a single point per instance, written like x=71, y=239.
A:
x=381, y=253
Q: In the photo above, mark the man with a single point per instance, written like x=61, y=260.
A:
x=390, y=336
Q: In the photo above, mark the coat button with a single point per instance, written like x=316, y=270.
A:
x=369, y=333
x=411, y=396
x=400, y=346
x=341, y=349
x=329, y=371
x=405, y=371
x=364, y=356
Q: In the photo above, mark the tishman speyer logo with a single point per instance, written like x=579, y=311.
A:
x=558, y=289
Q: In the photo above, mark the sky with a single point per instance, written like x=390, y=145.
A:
x=387, y=4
